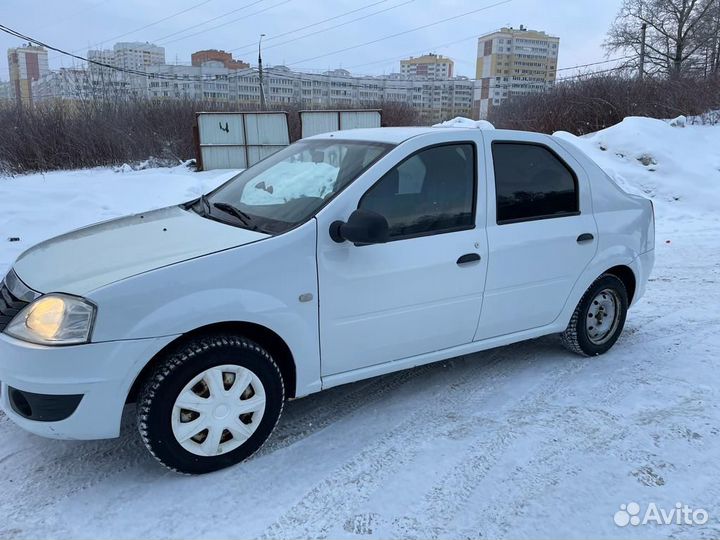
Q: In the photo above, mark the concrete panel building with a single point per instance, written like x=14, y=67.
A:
x=138, y=55
x=74, y=83
x=26, y=64
x=133, y=55
x=435, y=100
x=428, y=66
x=216, y=76
x=210, y=82
x=513, y=62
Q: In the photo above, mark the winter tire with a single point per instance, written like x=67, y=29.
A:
x=210, y=404
x=599, y=317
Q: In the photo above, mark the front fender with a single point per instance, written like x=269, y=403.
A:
x=190, y=311
x=260, y=283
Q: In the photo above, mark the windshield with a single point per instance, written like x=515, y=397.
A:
x=291, y=185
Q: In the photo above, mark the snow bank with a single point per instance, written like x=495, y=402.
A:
x=674, y=163
x=36, y=207
x=461, y=122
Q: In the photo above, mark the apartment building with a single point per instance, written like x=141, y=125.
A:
x=435, y=99
x=226, y=59
x=103, y=56
x=513, y=62
x=210, y=81
x=25, y=65
x=428, y=66
x=74, y=83
x=135, y=55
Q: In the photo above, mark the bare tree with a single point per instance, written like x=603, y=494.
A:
x=709, y=32
x=679, y=33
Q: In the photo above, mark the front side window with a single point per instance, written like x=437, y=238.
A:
x=432, y=191
x=531, y=182
x=290, y=186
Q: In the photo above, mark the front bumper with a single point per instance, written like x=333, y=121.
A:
x=102, y=373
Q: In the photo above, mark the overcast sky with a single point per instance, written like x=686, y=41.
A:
x=236, y=24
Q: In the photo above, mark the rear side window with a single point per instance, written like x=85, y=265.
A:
x=431, y=192
x=532, y=182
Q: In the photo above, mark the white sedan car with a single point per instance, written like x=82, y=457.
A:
x=341, y=257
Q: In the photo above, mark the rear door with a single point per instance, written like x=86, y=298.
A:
x=541, y=231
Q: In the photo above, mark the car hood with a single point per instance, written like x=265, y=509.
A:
x=86, y=259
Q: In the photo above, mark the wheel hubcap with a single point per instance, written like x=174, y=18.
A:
x=218, y=410
x=602, y=317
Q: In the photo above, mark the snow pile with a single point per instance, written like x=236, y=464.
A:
x=675, y=164
x=461, y=122
x=680, y=121
x=290, y=180
x=36, y=207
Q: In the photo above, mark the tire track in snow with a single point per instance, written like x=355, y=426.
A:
x=331, y=409
x=547, y=466
x=451, y=494
x=583, y=430
x=329, y=501
x=52, y=471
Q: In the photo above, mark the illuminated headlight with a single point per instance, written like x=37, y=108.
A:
x=54, y=319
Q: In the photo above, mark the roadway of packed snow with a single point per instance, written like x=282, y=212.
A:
x=521, y=441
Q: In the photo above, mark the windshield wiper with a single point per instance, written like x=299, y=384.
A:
x=242, y=216
x=204, y=202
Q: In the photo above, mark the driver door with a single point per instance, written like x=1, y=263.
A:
x=422, y=290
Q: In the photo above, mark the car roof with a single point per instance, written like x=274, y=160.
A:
x=394, y=135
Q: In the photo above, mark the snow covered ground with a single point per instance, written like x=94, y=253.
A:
x=521, y=441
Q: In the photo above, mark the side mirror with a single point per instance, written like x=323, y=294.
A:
x=362, y=227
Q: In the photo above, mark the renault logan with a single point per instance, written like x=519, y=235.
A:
x=341, y=257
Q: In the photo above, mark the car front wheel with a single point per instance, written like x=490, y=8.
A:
x=599, y=317
x=211, y=404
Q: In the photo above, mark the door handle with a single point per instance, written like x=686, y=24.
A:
x=468, y=258
x=585, y=237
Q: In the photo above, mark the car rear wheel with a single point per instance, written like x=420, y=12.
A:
x=599, y=317
x=211, y=404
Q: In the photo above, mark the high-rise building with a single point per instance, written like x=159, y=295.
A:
x=104, y=56
x=213, y=55
x=134, y=56
x=428, y=66
x=513, y=62
x=138, y=55
x=26, y=64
